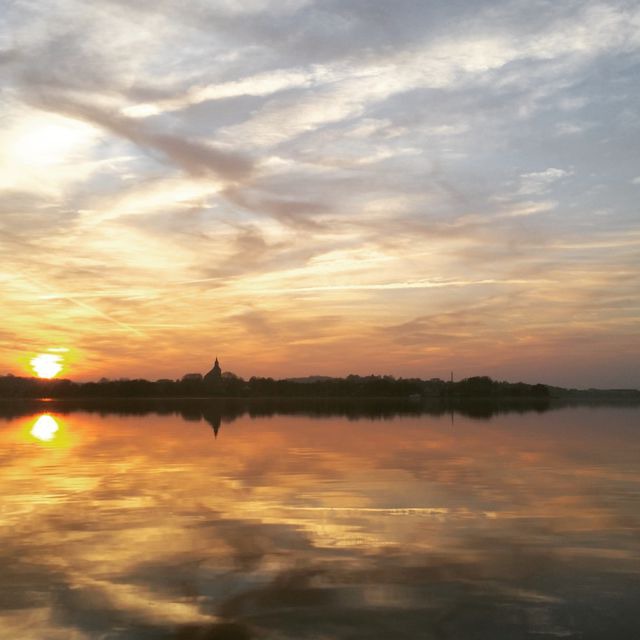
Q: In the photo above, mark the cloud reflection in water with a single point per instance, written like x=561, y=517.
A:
x=293, y=527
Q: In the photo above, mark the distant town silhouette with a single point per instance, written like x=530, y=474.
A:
x=218, y=384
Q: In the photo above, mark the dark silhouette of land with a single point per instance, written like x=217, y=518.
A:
x=218, y=397
x=217, y=412
x=228, y=385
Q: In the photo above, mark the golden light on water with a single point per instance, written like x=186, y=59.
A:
x=47, y=365
x=45, y=428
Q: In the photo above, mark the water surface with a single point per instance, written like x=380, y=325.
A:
x=213, y=523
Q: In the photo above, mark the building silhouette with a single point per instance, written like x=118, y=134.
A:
x=215, y=375
x=214, y=418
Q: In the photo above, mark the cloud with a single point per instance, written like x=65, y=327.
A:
x=196, y=158
x=262, y=84
x=297, y=213
x=539, y=182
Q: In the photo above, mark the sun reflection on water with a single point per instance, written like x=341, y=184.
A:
x=45, y=428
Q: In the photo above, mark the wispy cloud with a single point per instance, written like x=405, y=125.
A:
x=539, y=182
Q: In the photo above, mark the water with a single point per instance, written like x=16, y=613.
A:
x=317, y=525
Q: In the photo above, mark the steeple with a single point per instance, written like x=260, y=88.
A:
x=215, y=373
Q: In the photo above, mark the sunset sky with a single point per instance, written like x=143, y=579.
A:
x=321, y=187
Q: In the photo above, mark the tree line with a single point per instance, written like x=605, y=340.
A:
x=232, y=386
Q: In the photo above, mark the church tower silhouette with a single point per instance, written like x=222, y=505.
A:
x=215, y=374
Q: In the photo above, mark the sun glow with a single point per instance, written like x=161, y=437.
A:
x=45, y=141
x=47, y=365
x=45, y=428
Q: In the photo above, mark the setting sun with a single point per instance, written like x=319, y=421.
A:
x=46, y=365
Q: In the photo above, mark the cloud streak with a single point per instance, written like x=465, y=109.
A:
x=196, y=158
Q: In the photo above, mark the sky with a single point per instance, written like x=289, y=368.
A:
x=321, y=187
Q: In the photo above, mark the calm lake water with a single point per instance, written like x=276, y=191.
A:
x=295, y=526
